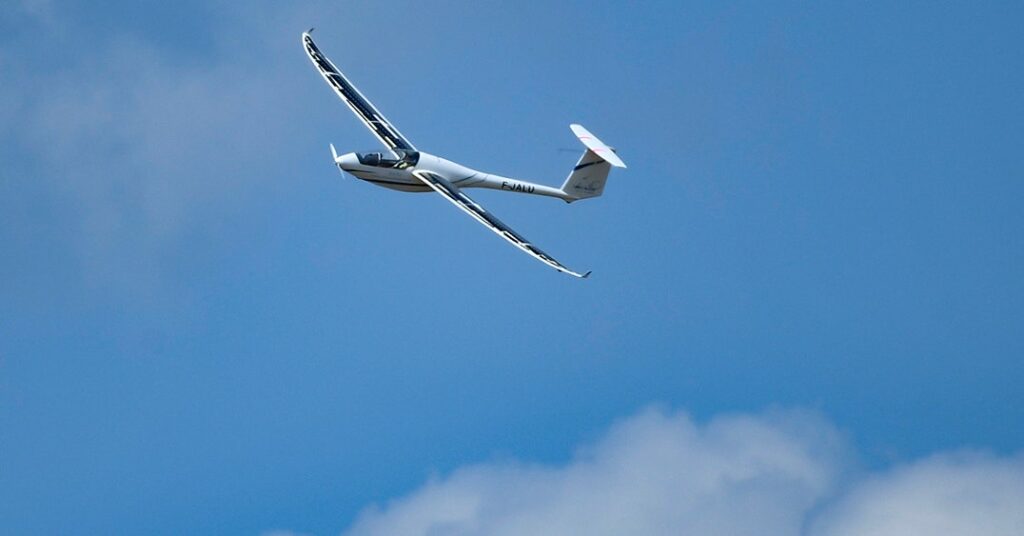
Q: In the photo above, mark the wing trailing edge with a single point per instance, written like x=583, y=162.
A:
x=453, y=194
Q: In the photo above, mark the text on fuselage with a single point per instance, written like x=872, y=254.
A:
x=516, y=187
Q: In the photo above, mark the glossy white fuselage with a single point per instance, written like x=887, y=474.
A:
x=459, y=175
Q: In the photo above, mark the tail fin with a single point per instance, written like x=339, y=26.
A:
x=588, y=178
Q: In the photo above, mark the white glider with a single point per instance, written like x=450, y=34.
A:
x=402, y=167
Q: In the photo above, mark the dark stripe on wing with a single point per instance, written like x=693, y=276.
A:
x=362, y=107
x=453, y=194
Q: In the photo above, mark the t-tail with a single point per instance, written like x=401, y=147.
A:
x=587, y=179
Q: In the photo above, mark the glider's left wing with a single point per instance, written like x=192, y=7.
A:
x=363, y=108
x=461, y=200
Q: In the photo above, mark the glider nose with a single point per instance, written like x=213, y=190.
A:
x=347, y=161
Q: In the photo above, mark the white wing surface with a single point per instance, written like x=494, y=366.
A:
x=461, y=200
x=363, y=108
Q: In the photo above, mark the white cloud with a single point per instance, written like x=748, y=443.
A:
x=950, y=494
x=656, y=473
x=778, y=474
x=131, y=122
x=143, y=145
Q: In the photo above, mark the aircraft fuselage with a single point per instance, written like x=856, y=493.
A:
x=397, y=174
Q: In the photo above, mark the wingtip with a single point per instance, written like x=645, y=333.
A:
x=586, y=275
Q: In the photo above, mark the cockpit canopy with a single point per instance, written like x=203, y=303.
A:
x=395, y=158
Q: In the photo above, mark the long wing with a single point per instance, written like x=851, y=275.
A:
x=363, y=108
x=461, y=200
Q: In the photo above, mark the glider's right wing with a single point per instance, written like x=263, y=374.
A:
x=363, y=108
x=461, y=200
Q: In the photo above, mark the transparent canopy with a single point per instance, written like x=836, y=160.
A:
x=395, y=158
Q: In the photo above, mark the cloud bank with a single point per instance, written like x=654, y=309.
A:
x=138, y=145
x=958, y=493
x=779, y=473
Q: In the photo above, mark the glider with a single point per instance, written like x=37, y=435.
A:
x=400, y=166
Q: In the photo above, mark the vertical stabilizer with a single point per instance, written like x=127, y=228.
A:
x=587, y=179
x=589, y=176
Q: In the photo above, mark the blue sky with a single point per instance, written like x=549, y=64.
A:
x=205, y=329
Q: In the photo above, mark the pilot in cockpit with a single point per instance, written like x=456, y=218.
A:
x=397, y=159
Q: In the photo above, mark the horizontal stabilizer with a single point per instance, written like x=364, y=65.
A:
x=597, y=146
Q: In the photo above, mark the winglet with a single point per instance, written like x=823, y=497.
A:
x=586, y=275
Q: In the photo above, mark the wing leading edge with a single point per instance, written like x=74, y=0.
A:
x=461, y=200
x=363, y=108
